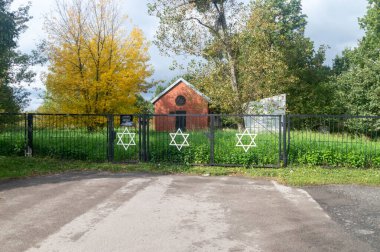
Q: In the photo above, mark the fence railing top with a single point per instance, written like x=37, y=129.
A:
x=146, y=115
x=204, y=115
x=334, y=116
x=215, y=115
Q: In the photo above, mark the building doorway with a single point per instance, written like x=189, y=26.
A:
x=180, y=120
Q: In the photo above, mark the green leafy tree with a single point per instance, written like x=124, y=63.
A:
x=192, y=26
x=357, y=71
x=310, y=93
x=159, y=89
x=14, y=65
x=143, y=106
x=357, y=74
x=262, y=52
x=261, y=67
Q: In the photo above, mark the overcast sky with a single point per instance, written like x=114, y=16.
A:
x=330, y=22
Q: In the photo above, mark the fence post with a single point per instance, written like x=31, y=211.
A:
x=29, y=140
x=212, y=140
x=144, y=133
x=147, y=139
x=280, y=139
x=284, y=135
x=110, y=138
x=140, y=134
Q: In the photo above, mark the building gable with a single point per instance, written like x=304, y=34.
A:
x=176, y=83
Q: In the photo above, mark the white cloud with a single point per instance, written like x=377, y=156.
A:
x=334, y=23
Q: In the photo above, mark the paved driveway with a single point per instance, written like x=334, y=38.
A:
x=105, y=212
x=356, y=208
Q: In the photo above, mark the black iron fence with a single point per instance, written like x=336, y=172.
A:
x=230, y=140
x=338, y=140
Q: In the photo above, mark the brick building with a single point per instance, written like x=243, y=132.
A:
x=181, y=98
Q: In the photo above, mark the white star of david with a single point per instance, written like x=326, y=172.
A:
x=129, y=135
x=246, y=147
x=179, y=145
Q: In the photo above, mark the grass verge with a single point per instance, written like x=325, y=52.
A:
x=20, y=167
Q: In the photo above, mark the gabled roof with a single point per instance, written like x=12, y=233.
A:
x=174, y=85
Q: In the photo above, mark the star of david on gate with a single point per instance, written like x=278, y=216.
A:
x=129, y=135
x=240, y=136
x=179, y=145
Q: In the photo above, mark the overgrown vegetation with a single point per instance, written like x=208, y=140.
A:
x=306, y=148
x=20, y=167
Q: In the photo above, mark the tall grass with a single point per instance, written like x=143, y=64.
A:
x=306, y=147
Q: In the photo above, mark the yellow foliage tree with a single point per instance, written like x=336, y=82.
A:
x=94, y=67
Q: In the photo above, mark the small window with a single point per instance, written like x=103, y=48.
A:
x=180, y=100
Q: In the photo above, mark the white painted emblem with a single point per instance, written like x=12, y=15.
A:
x=179, y=145
x=246, y=133
x=130, y=139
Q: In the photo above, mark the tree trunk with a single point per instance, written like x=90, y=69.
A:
x=232, y=64
x=227, y=42
x=235, y=88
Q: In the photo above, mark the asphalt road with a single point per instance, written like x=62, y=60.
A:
x=356, y=208
x=105, y=212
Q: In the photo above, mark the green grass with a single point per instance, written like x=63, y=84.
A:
x=20, y=167
x=306, y=148
x=313, y=148
x=80, y=144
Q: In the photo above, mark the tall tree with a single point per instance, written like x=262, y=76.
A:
x=309, y=94
x=95, y=66
x=261, y=67
x=260, y=50
x=14, y=65
x=191, y=26
x=358, y=70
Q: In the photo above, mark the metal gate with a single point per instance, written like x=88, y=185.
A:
x=125, y=139
x=230, y=140
x=226, y=140
x=248, y=140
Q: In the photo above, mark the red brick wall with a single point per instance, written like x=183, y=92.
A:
x=195, y=104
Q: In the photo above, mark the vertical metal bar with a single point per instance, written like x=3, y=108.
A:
x=284, y=151
x=144, y=124
x=287, y=148
x=29, y=147
x=280, y=140
x=62, y=134
x=110, y=137
x=140, y=149
x=212, y=140
x=25, y=132
x=147, y=138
